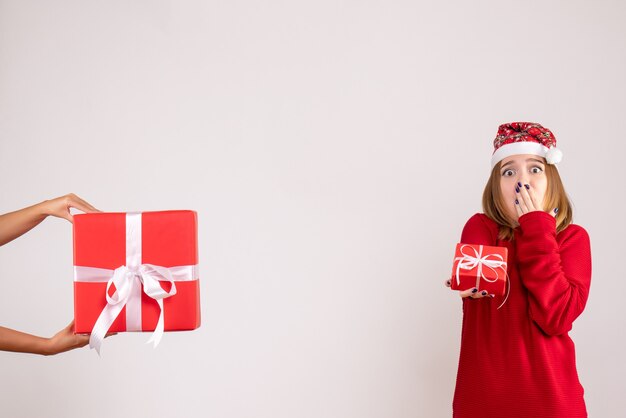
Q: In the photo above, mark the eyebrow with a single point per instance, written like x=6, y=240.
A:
x=528, y=159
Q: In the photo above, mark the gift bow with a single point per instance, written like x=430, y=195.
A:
x=128, y=280
x=469, y=262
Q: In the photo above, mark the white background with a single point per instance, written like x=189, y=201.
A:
x=333, y=151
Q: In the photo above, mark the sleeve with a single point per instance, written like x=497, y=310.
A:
x=557, y=276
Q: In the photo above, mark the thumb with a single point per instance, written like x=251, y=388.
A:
x=67, y=215
x=70, y=327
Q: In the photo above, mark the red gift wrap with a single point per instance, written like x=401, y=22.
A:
x=480, y=266
x=163, y=241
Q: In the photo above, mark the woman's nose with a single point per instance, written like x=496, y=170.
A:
x=522, y=180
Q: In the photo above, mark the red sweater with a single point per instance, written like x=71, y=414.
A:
x=519, y=361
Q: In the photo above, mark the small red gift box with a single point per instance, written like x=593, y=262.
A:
x=480, y=266
x=135, y=271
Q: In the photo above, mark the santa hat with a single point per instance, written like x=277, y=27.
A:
x=525, y=138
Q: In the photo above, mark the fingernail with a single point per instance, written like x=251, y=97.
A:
x=527, y=186
x=517, y=190
x=475, y=290
x=483, y=293
x=556, y=210
x=519, y=184
x=492, y=296
x=516, y=202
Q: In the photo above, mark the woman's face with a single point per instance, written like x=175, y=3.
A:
x=526, y=169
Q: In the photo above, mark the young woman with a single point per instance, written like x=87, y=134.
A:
x=15, y=224
x=519, y=361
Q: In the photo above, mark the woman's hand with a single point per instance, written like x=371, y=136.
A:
x=21, y=342
x=65, y=340
x=60, y=207
x=527, y=201
x=472, y=293
x=19, y=222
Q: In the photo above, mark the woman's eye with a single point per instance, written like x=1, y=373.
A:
x=507, y=173
x=536, y=170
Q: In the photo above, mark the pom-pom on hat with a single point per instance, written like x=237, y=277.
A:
x=525, y=138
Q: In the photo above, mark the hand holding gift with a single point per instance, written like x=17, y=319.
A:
x=17, y=223
x=479, y=271
x=60, y=207
x=471, y=292
x=66, y=340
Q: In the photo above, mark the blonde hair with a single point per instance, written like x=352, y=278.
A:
x=555, y=197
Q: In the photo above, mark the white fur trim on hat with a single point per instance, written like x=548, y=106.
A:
x=552, y=155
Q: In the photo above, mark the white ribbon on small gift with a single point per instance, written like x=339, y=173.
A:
x=128, y=280
x=469, y=262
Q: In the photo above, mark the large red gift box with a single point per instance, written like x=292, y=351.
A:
x=163, y=241
x=480, y=266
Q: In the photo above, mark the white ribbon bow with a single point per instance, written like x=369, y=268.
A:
x=126, y=282
x=469, y=262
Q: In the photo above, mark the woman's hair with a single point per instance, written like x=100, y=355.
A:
x=555, y=197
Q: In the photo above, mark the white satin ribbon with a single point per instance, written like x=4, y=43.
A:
x=128, y=280
x=469, y=262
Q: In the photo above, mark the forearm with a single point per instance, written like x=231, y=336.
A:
x=15, y=224
x=12, y=340
x=557, y=276
x=539, y=258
